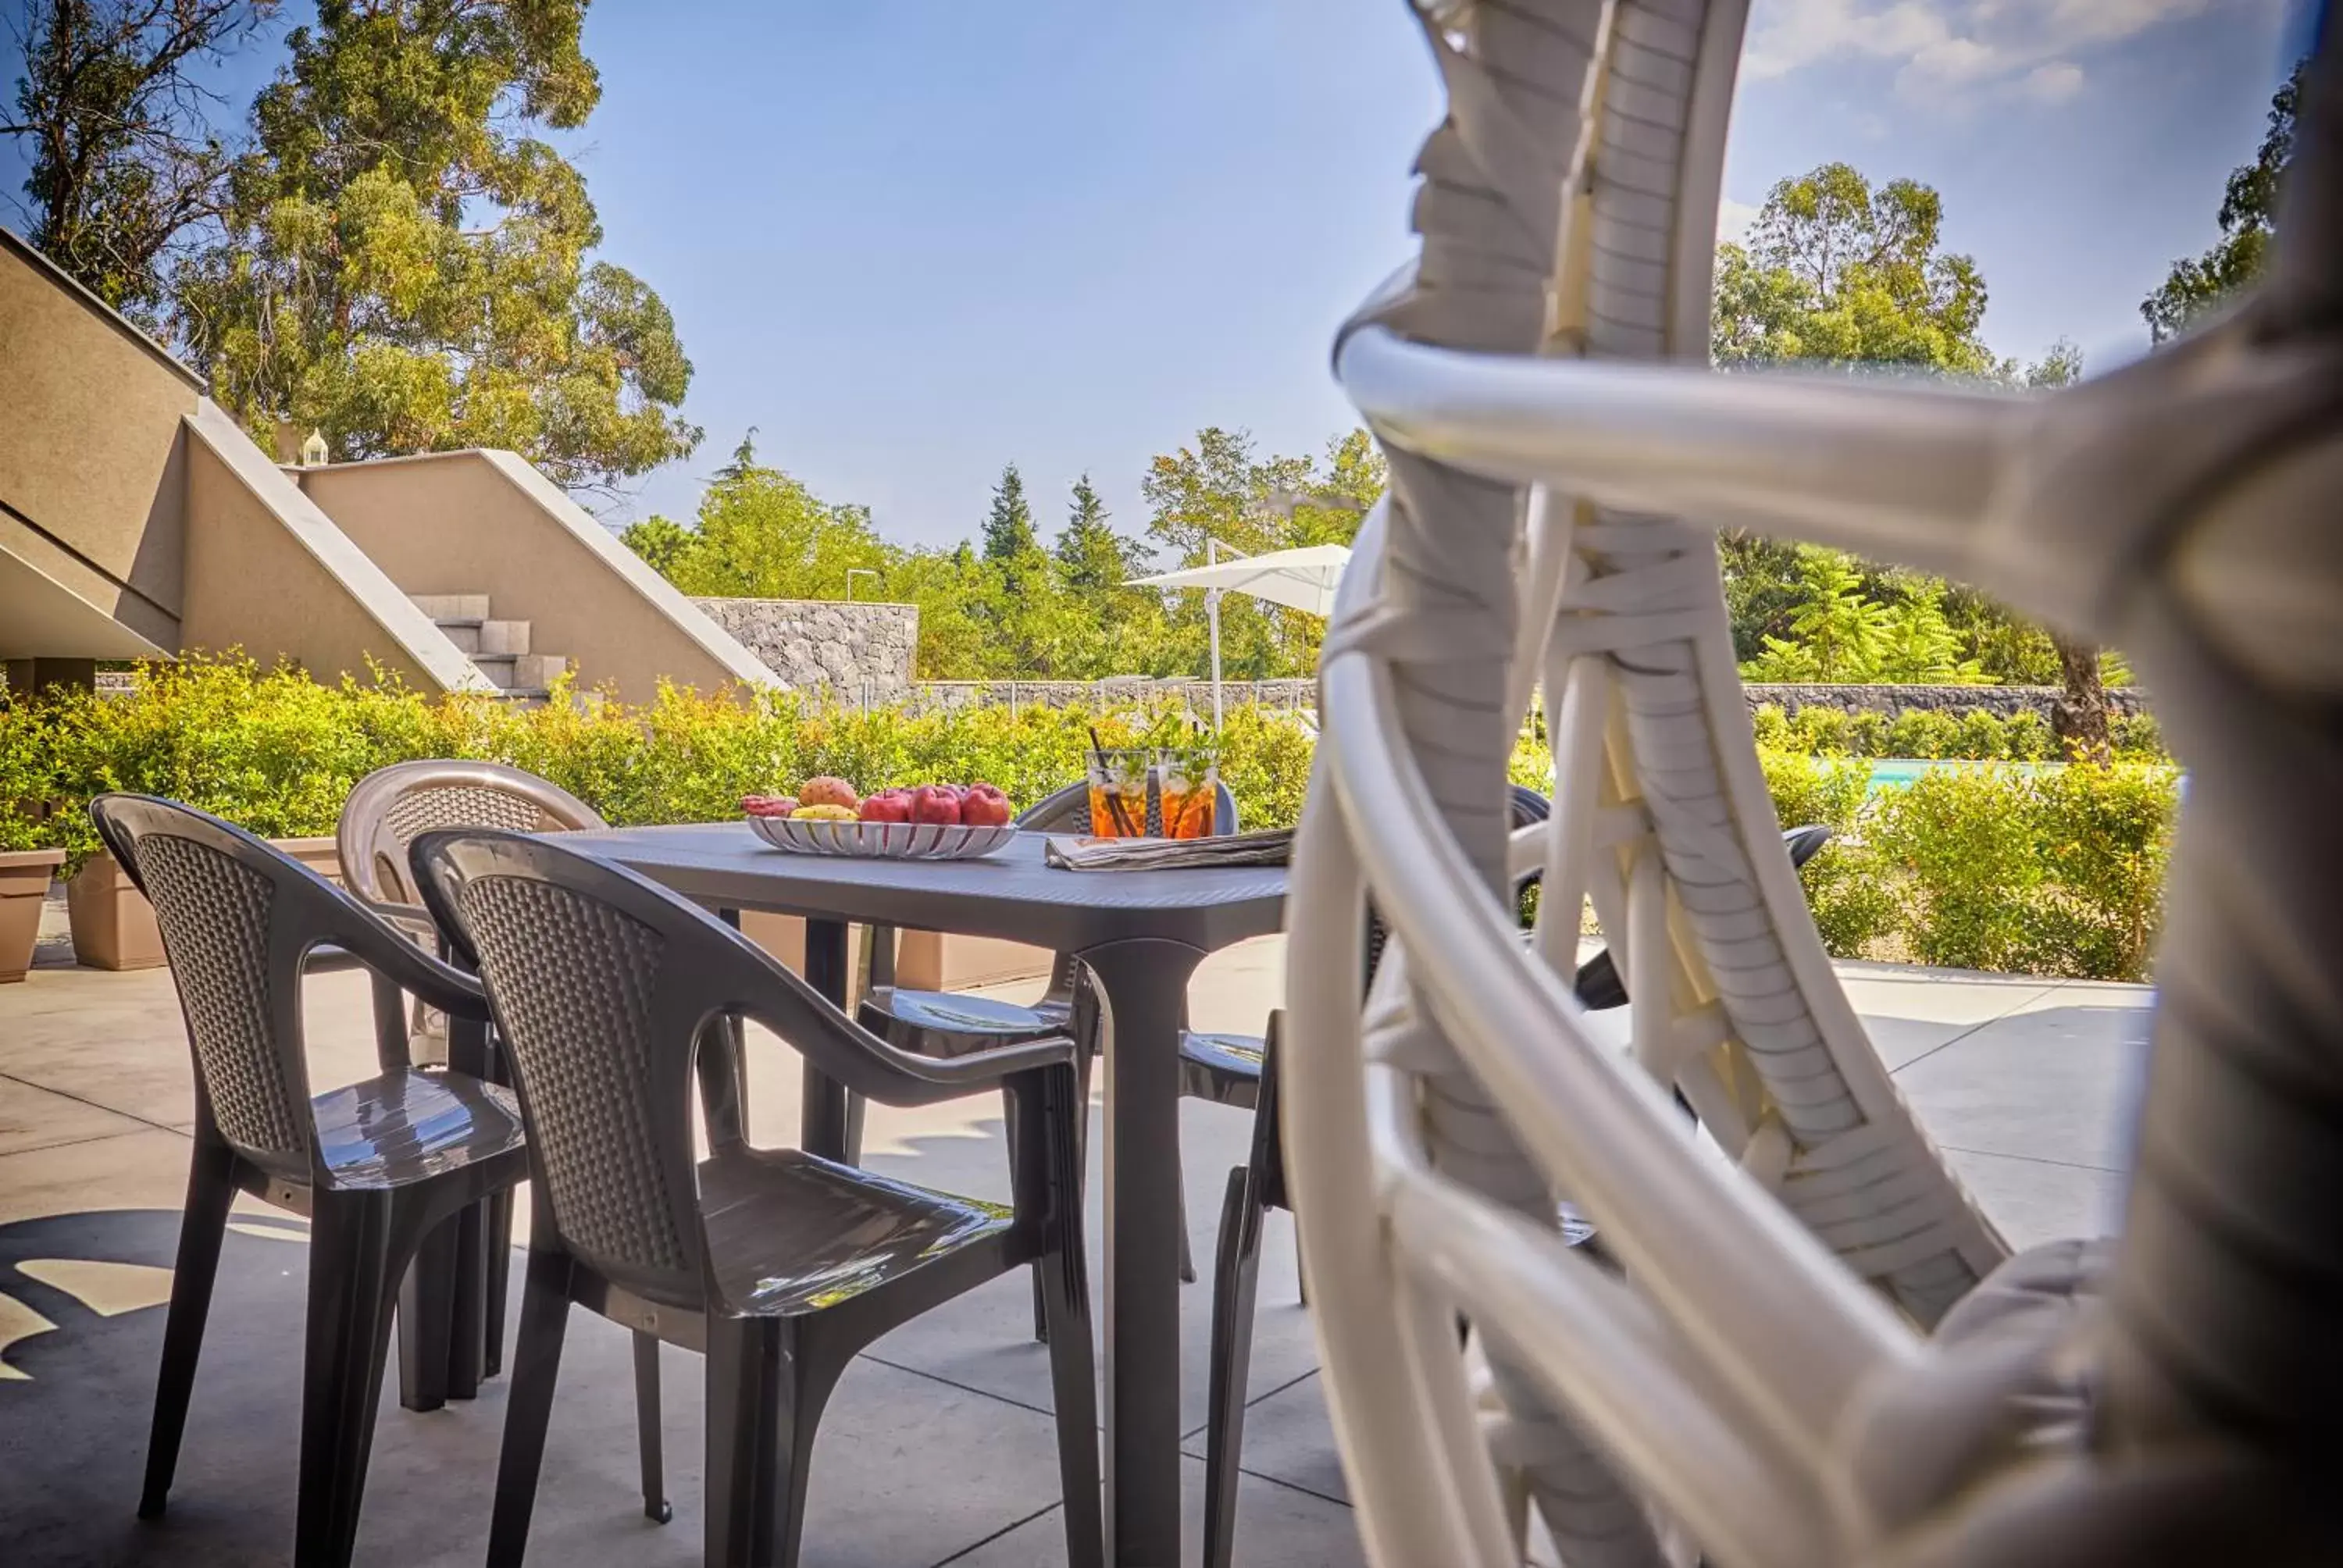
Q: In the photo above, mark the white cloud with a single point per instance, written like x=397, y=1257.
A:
x=1946, y=48
x=1732, y=220
x=2056, y=81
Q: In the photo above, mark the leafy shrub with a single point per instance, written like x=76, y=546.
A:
x=1827, y=730
x=2105, y=840
x=1922, y=732
x=276, y=752
x=1772, y=728
x=1867, y=733
x=2026, y=738
x=25, y=773
x=2059, y=872
x=2137, y=737
x=1853, y=905
x=1981, y=736
x=1965, y=842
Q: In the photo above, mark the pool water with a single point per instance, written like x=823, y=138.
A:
x=1897, y=772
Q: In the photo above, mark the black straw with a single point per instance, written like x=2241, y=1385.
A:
x=1114, y=796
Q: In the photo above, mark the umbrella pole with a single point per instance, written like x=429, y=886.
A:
x=1212, y=617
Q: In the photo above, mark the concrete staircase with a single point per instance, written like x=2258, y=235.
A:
x=498, y=648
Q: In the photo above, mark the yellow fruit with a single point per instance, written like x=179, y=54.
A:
x=822, y=814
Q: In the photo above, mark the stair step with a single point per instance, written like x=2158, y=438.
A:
x=521, y=671
x=504, y=637
x=495, y=637
x=451, y=605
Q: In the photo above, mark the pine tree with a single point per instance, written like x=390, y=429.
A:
x=1008, y=529
x=1090, y=556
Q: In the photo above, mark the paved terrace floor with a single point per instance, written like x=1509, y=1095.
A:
x=937, y=1448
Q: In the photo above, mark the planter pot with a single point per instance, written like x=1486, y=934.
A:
x=933, y=960
x=114, y=925
x=24, y=877
x=924, y=960
x=783, y=935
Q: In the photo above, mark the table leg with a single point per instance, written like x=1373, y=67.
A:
x=1144, y=986
x=826, y=1121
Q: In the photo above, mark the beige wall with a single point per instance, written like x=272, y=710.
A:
x=92, y=457
x=486, y=522
x=268, y=572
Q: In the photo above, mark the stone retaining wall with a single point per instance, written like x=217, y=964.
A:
x=2001, y=701
x=861, y=652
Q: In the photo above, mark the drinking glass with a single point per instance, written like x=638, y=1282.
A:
x=1119, y=794
x=1190, y=781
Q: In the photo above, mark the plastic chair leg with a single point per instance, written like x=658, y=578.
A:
x=426, y=1319
x=1235, y=1270
x=202, y=1223
x=499, y=1279
x=536, y=1365
x=1065, y=1300
x=765, y=1398
x=656, y=1506
x=354, y=1273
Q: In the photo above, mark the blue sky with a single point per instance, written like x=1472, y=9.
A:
x=912, y=240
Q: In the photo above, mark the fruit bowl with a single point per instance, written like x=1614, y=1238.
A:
x=882, y=840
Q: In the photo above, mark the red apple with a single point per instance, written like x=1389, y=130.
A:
x=933, y=803
x=985, y=807
x=888, y=806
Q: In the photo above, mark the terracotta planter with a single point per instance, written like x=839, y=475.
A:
x=783, y=935
x=114, y=925
x=933, y=960
x=924, y=960
x=24, y=877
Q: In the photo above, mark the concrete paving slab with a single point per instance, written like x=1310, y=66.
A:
x=2035, y=1200
x=1289, y=1438
x=1275, y=1524
x=2055, y=1079
x=2025, y=1082
x=31, y=1118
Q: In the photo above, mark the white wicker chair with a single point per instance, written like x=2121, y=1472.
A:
x=1759, y=1379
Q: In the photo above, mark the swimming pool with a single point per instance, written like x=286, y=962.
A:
x=1897, y=772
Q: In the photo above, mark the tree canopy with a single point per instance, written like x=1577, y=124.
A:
x=1092, y=556
x=1009, y=525
x=123, y=160
x=405, y=264
x=1011, y=608
x=2247, y=218
x=1838, y=272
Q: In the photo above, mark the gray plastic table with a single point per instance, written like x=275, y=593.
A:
x=1141, y=933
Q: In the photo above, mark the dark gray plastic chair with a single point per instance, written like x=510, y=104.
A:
x=946, y=1024
x=386, y=811
x=778, y=1266
x=382, y=1168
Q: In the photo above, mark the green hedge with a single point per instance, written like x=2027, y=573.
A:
x=278, y=752
x=1972, y=735
x=2059, y=872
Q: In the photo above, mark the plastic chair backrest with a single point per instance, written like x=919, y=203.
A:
x=604, y=988
x=238, y=916
x=391, y=807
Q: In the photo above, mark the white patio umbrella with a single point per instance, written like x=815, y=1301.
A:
x=1301, y=579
